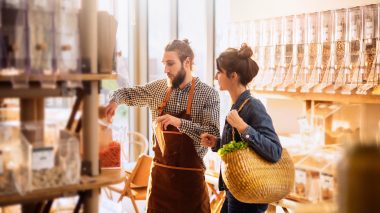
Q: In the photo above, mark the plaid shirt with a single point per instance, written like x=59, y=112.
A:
x=204, y=108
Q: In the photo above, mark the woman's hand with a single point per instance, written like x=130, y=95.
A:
x=167, y=120
x=236, y=121
x=208, y=140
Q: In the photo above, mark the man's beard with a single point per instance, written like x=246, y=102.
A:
x=179, y=78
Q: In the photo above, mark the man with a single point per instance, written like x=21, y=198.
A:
x=183, y=108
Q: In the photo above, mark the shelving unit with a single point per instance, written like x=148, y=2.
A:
x=107, y=177
x=353, y=98
x=34, y=89
x=32, y=109
x=65, y=77
x=31, y=105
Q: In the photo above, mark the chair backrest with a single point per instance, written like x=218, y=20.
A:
x=135, y=145
x=140, y=174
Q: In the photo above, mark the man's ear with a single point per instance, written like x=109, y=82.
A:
x=188, y=62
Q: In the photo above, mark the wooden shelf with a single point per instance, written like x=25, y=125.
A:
x=353, y=98
x=34, y=89
x=62, y=77
x=107, y=177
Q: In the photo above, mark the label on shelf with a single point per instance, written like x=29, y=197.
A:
x=339, y=32
x=300, y=176
x=325, y=33
x=1, y=163
x=354, y=32
x=42, y=158
x=368, y=29
x=327, y=181
x=313, y=35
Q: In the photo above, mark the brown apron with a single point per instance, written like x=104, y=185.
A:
x=177, y=182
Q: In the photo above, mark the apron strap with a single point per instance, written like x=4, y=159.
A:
x=165, y=101
x=178, y=168
x=190, y=98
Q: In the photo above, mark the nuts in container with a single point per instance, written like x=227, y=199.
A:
x=54, y=167
x=14, y=161
x=327, y=186
x=300, y=182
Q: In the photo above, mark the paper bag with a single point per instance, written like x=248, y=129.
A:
x=160, y=137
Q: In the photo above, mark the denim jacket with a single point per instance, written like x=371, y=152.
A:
x=260, y=134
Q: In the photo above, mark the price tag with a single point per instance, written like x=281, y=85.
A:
x=300, y=176
x=327, y=181
x=42, y=158
x=326, y=33
x=354, y=32
x=339, y=32
x=369, y=29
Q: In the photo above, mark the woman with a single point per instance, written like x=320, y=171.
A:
x=235, y=70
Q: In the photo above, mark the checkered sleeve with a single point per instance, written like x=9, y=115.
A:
x=209, y=119
x=139, y=95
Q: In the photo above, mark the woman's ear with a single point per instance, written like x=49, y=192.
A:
x=234, y=75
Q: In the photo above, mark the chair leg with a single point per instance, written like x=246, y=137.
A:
x=108, y=193
x=134, y=204
x=130, y=195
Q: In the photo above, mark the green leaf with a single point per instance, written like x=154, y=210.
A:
x=231, y=147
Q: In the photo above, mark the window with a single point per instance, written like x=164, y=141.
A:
x=192, y=24
x=159, y=34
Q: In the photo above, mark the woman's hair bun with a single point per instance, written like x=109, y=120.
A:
x=186, y=41
x=245, y=51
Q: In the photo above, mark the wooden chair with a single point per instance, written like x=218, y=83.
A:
x=136, y=182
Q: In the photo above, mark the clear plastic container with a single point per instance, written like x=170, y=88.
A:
x=286, y=68
x=55, y=155
x=316, y=174
x=255, y=42
x=277, y=54
x=107, y=26
x=264, y=53
x=15, y=161
x=313, y=52
x=113, y=140
x=326, y=34
x=339, y=51
x=109, y=145
x=67, y=46
x=41, y=46
x=297, y=76
x=67, y=43
x=14, y=33
x=348, y=77
x=297, y=52
x=369, y=72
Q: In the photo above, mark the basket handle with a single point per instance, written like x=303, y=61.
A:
x=240, y=108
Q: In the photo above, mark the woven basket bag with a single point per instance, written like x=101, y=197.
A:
x=251, y=179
